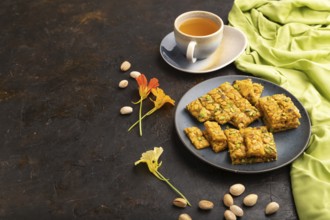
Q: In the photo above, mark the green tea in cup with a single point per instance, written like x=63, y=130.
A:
x=198, y=34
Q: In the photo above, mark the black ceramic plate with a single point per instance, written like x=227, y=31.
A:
x=290, y=144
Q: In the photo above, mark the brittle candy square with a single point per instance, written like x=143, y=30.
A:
x=279, y=112
x=236, y=146
x=214, y=131
x=197, y=110
x=196, y=137
x=253, y=142
x=251, y=112
x=251, y=145
x=269, y=144
x=215, y=135
x=249, y=90
x=208, y=103
x=240, y=120
x=227, y=107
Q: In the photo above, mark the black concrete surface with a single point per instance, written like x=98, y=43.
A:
x=65, y=152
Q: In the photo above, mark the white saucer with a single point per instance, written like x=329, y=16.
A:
x=232, y=46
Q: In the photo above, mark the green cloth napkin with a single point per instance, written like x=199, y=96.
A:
x=289, y=44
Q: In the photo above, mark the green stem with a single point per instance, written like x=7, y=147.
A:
x=133, y=125
x=140, y=120
x=145, y=115
x=175, y=189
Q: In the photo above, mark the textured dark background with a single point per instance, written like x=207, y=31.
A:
x=65, y=152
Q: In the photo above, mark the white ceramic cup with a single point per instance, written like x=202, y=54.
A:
x=198, y=46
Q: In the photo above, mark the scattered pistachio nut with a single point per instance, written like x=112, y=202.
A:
x=125, y=66
x=180, y=202
x=271, y=208
x=229, y=215
x=205, y=205
x=135, y=74
x=123, y=83
x=237, y=189
x=228, y=200
x=238, y=211
x=184, y=216
x=126, y=110
x=250, y=200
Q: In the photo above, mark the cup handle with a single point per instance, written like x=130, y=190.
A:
x=190, y=52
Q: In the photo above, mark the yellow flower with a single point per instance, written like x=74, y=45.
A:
x=161, y=99
x=151, y=157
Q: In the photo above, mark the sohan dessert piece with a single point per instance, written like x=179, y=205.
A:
x=196, y=137
x=240, y=120
x=249, y=90
x=208, y=102
x=279, y=112
x=217, y=146
x=269, y=144
x=214, y=131
x=253, y=141
x=215, y=135
x=260, y=144
x=197, y=110
x=251, y=145
x=236, y=146
x=227, y=107
x=251, y=112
